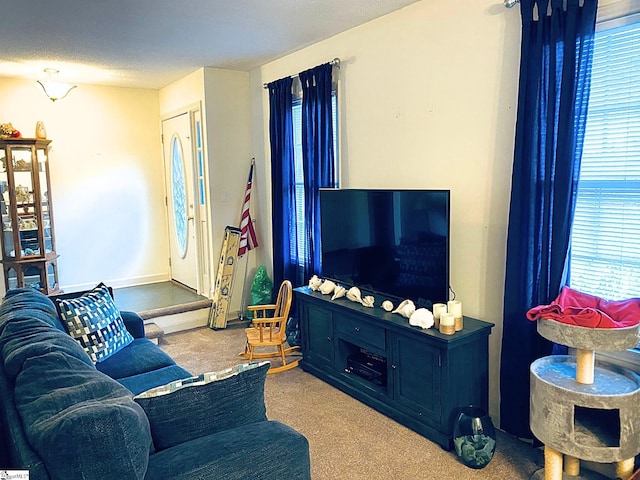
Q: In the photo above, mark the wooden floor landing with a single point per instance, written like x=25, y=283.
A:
x=159, y=299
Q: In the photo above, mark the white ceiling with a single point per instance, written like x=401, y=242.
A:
x=151, y=43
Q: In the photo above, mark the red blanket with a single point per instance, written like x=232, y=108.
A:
x=577, y=308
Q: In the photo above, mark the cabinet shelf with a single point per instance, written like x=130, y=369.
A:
x=428, y=377
x=25, y=204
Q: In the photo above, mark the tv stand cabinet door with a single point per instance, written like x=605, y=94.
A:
x=416, y=368
x=318, y=332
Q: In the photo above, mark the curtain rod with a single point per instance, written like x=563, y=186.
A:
x=335, y=62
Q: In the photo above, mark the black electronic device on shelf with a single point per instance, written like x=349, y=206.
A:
x=369, y=366
x=389, y=243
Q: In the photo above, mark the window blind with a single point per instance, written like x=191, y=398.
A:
x=605, y=246
x=298, y=249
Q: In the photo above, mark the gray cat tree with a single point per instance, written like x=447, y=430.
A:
x=583, y=409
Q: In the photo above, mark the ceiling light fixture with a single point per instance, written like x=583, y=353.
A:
x=511, y=3
x=52, y=88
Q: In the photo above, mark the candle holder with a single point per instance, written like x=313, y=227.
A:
x=458, y=324
x=438, y=309
x=455, y=308
x=447, y=324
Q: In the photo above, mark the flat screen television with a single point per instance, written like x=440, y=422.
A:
x=388, y=243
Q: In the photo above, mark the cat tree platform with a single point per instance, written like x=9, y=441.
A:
x=583, y=409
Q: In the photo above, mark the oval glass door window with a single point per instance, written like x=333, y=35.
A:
x=179, y=193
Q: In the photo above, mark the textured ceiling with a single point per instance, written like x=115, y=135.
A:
x=151, y=43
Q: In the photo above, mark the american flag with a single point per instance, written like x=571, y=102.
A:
x=248, y=239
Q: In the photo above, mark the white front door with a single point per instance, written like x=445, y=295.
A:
x=181, y=199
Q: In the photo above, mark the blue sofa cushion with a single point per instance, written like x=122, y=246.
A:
x=95, y=322
x=259, y=450
x=26, y=334
x=18, y=299
x=14, y=444
x=134, y=323
x=141, y=382
x=81, y=422
x=200, y=406
x=26, y=297
x=140, y=356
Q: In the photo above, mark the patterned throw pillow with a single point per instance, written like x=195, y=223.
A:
x=95, y=322
x=198, y=406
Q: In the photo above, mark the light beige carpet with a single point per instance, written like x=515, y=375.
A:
x=348, y=440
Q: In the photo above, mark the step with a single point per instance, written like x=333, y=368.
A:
x=153, y=332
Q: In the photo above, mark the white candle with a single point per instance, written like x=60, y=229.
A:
x=455, y=307
x=447, y=320
x=438, y=309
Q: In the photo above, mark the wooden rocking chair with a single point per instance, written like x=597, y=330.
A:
x=268, y=329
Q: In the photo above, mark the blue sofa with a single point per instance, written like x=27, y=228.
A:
x=64, y=416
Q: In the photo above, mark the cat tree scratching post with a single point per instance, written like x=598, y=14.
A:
x=583, y=409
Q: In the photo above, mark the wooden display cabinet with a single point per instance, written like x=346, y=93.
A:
x=29, y=255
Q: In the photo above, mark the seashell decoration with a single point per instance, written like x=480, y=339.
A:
x=421, y=318
x=327, y=287
x=387, y=305
x=399, y=307
x=402, y=305
x=406, y=308
x=338, y=292
x=314, y=283
x=354, y=294
x=368, y=301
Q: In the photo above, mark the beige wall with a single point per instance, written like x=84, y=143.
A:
x=106, y=179
x=176, y=97
x=107, y=169
x=228, y=120
x=427, y=100
x=223, y=96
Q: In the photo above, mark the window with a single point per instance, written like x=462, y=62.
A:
x=605, y=245
x=179, y=194
x=299, y=251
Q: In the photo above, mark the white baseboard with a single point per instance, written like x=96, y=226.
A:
x=178, y=322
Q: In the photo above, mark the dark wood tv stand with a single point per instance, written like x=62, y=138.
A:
x=429, y=376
